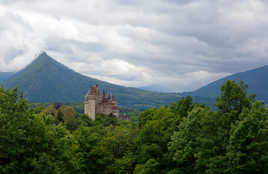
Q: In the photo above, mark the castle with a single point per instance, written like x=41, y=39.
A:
x=99, y=104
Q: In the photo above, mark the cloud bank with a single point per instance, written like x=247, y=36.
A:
x=176, y=45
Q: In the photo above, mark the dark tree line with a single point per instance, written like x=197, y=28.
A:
x=183, y=138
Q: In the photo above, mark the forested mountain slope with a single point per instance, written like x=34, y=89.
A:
x=46, y=80
x=256, y=79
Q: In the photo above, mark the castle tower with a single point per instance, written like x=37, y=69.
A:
x=90, y=104
x=99, y=104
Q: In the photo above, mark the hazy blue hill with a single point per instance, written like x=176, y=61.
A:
x=5, y=75
x=256, y=79
x=156, y=88
x=46, y=80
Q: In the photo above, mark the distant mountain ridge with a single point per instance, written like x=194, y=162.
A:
x=5, y=75
x=46, y=80
x=256, y=79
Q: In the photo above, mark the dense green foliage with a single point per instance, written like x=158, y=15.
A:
x=182, y=138
x=46, y=80
x=256, y=79
x=79, y=109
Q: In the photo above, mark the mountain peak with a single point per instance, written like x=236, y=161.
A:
x=43, y=55
x=46, y=80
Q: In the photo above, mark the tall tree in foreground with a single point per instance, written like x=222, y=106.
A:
x=30, y=142
x=232, y=140
x=234, y=97
x=247, y=150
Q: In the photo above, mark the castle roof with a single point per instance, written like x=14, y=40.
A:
x=94, y=93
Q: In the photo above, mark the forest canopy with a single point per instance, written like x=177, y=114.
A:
x=182, y=138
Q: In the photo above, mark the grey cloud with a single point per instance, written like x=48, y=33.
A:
x=183, y=44
x=66, y=46
x=12, y=53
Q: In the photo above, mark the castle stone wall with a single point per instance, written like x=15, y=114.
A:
x=90, y=109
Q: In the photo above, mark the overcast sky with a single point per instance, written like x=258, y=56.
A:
x=179, y=45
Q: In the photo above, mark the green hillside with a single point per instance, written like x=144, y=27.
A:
x=256, y=80
x=46, y=80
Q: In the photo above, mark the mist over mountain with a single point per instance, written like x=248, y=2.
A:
x=46, y=80
x=156, y=88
